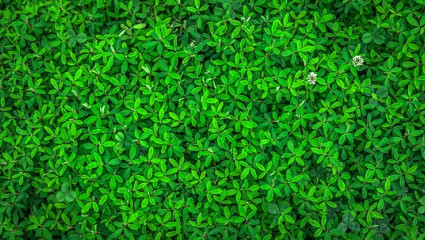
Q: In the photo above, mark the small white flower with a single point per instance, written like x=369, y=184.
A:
x=358, y=61
x=311, y=78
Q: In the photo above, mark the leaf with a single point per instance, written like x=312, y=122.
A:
x=412, y=20
x=342, y=227
x=314, y=223
x=347, y=218
x=86, y=207
x=103, y=199
x=297, y=178
x=119, y=118
x=78, y=74
x=355, y=227
x=139, y=26
x=70, y=196
x=65, y=187
x=249, y=124
x=236, y=32
x=60, y=196
x=367, y=37
x=377, y=215
x=273, y=208
x=133, y=152
x=382, y=92
x=245, y=173
x=81, y=38
x=109, y=144
x=327, y=18
x=108, y=65
x=379, y=39
x=72, y=42
x=30, y=38
x=291, y=146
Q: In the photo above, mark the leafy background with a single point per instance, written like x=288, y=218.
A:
x=194, y=120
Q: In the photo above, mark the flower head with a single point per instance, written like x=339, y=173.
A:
x=358, y=61
x=311, y=78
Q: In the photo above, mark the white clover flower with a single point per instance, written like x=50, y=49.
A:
x=311, y=78
x=358, y=61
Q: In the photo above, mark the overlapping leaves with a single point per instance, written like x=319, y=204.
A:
x=194, y=119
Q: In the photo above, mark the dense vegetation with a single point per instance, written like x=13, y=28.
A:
x=219, y=119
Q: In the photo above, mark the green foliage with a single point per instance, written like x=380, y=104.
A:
x=220, y=119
